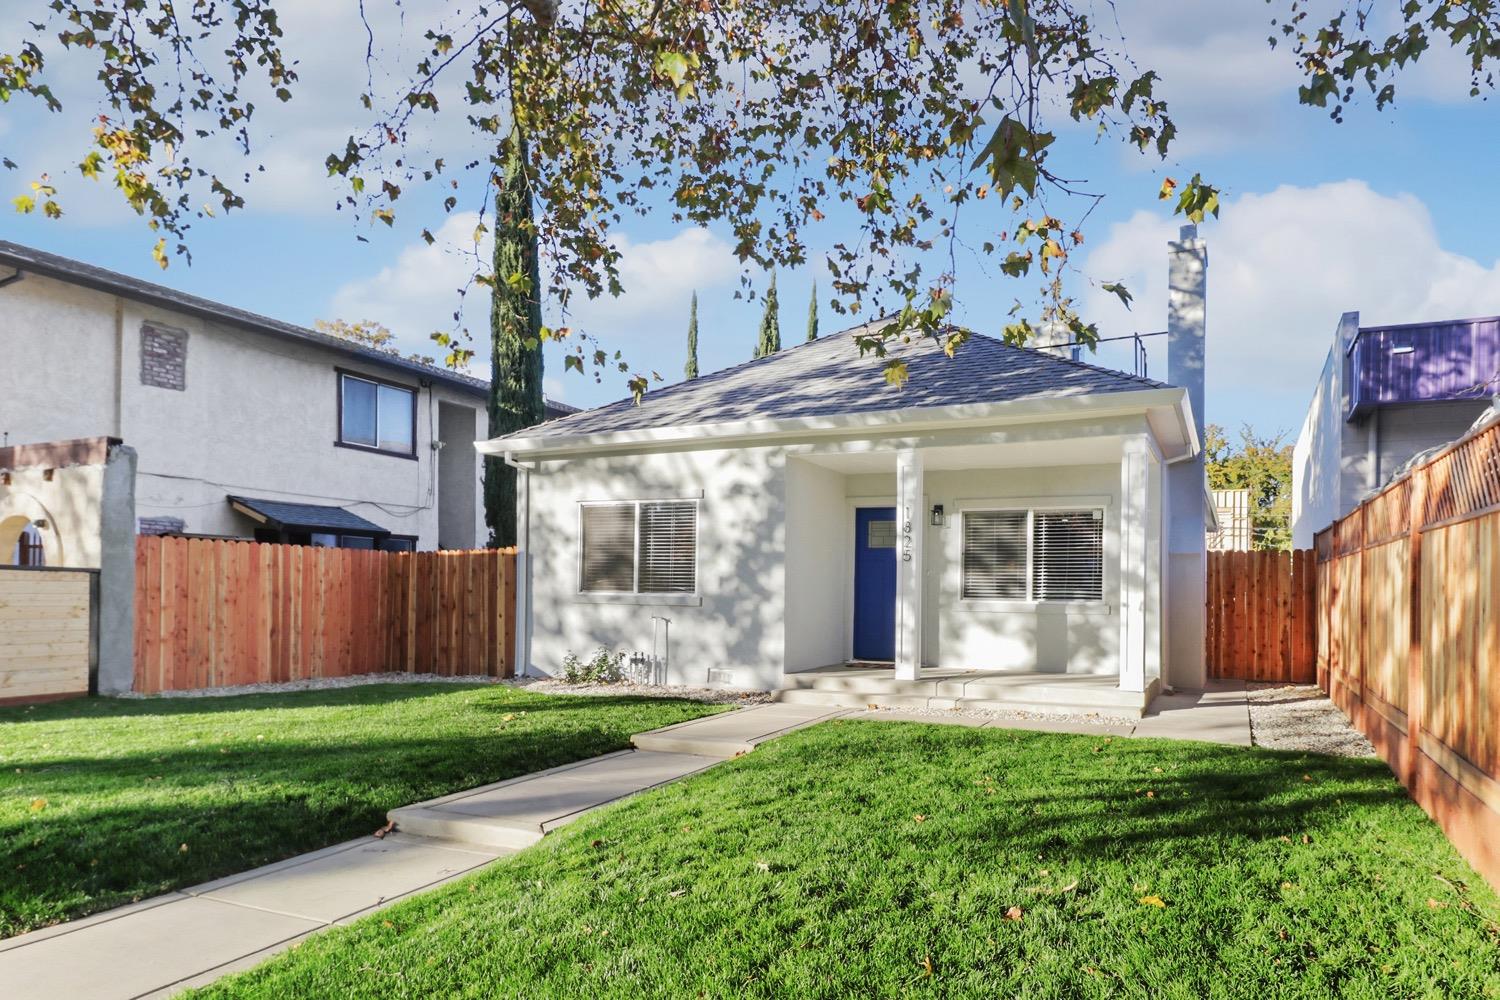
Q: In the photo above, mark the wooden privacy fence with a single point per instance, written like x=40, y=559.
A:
x=211, y=613
x=47, y=646
x=1409, y=587
x=1262, y=616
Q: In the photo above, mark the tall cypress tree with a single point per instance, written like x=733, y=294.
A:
x=515, y=336
x=690, y=370
x=812, y=315
x=770, y=324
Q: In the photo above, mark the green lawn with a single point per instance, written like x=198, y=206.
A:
x=862, y=859
x=104, y=801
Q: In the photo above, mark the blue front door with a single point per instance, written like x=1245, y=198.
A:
x=875, y=583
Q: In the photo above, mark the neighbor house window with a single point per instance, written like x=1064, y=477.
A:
x=639, y=547
x=377, y=415
x=1037, y=555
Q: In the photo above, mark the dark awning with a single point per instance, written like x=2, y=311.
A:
x=306, y=517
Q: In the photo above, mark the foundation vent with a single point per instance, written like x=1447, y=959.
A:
x=720, y=677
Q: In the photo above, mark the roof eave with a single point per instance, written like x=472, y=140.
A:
x=540, y=447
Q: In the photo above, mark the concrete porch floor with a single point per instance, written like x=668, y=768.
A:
x=959, y=688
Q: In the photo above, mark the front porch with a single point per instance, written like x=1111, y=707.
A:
x=958, y=688
x=1020, y=569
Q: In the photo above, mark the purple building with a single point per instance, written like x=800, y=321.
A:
x=1386, y=394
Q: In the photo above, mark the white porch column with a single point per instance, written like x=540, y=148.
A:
x=910, y=524
x=1135, y=555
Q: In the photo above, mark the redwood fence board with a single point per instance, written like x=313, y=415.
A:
x=211, y=612
x=1262, y=623
x=1410, y=589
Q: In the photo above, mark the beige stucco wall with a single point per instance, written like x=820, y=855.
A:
x=258, y=416
x=68, y=503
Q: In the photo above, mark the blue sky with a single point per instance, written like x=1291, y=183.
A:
x=1390, y=213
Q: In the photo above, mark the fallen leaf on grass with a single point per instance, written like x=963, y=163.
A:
x=927, y=965
x=1014, y=913
x=1153, y=901
x=677, y=892
x=1434, y=904
x=183, y=849
x=920, y=817
x=764, y=866
x=37, y=805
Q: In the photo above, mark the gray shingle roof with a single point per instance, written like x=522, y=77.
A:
x=309, y=515
x=829, y=377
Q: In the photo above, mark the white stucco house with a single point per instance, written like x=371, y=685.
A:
x=1011, y=526
x=242, y=426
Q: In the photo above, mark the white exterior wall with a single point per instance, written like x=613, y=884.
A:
x=1316, y=459
x=819, y=566
x=1009, y=635
x=737, y=622
x=259, y=415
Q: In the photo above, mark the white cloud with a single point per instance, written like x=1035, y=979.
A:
x=419, y=292
x=1282, y=267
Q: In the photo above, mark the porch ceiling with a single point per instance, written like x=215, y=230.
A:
x=1100, y=450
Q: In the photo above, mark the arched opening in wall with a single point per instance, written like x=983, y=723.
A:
x=29, y=550
x=26, y=541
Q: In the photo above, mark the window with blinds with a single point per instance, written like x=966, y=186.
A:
x=1039, y=555
x=608, y=548
x=639, y=547
x=669, y=547
x=1067, y=555
x=995, y=557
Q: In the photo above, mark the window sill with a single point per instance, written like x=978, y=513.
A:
x=642, y=600
x=1085, y=608
x=409, y=455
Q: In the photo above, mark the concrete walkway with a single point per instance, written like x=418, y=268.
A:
x=161, y=946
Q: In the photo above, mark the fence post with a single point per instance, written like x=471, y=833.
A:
x=1415, y=694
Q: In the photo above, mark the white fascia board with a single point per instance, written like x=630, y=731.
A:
x=914, y=418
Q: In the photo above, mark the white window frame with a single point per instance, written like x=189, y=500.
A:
x=1031, y=506
x=636, y=596
x=344, y=377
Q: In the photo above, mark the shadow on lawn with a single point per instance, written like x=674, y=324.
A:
x=126, y=708
x=112, y=827
x=1094, y=797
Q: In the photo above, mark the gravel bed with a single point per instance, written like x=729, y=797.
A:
x=1300, y=717
x=714, y=696
x=542, y=685
x=315, y=684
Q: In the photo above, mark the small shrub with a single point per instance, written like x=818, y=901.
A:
x=603, y=667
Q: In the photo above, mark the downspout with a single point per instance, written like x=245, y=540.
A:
x=523, y=562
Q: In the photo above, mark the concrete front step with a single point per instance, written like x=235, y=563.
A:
x=957, y=693
x=733, y=733
x=521, y=811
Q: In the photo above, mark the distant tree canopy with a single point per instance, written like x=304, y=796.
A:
x=1262, y=465
x=368, y=333
x=925, y=127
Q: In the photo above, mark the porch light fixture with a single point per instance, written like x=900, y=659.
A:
x=937, y=515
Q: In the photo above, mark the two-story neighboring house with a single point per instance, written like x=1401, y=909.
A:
x=1387, y=394
x=244, y=426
